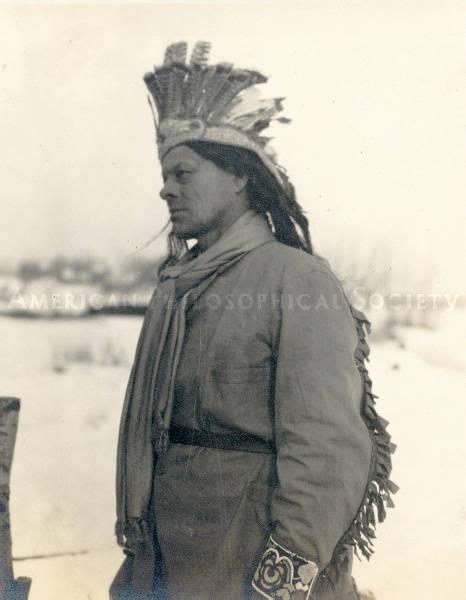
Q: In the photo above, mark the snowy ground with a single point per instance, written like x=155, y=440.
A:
x=63, y=475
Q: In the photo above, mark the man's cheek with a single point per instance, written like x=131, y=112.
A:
x=200, y=210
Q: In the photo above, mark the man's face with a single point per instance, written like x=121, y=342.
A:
x=198, y=193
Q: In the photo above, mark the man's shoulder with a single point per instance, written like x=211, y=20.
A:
x=287, y=261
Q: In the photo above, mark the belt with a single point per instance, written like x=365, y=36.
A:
x=245, y=442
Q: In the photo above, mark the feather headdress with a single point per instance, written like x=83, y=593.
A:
x=214, y=103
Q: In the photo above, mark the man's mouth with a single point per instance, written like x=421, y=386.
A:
x=175, y=213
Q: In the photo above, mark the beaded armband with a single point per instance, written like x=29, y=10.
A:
x=283, y=575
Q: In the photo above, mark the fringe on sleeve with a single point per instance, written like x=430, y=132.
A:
x=377, y=496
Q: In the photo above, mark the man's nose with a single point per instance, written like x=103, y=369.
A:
x=169, y=190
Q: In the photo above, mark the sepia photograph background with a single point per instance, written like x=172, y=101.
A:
x=376, y=148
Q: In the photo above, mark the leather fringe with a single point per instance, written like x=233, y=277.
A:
x=377, y=497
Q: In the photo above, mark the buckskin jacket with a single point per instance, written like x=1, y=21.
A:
x=270, y=350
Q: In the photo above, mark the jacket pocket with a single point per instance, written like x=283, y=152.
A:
x=239, y=399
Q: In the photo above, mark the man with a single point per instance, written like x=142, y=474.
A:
x=250, y=458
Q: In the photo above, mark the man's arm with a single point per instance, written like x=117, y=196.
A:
x=323, y=445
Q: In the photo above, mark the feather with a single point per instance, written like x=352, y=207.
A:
x=162, y=78
x=249, y=102
x=198, y=100
x=170, y=79
x=153, y=110
x=200, y=54
x=179, y=52
x=284, y=120
x=248, y=121
x=212, y=86
x=237, y=81
x=194, y=88
x=167, y=59
x=154, y=90
x=176, y=91
x=260, y=125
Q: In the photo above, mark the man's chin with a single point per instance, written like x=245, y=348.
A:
x=183, y=233
x=188, y=232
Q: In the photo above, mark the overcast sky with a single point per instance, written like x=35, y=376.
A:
x=376, y=148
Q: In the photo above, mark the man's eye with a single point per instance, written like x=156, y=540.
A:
x=182, y=175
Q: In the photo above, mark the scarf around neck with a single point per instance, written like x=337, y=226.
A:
x=148, y=404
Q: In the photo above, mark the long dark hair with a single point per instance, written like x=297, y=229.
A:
x=265, y=195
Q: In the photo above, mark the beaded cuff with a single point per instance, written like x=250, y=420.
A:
x=283, y=575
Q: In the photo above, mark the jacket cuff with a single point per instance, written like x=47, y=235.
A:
x=284, y=575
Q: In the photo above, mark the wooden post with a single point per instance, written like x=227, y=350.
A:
x=10, y=588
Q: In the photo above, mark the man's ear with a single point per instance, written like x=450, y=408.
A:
x=240, y=183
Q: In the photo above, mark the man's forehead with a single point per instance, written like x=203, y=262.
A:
x=180, y=154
